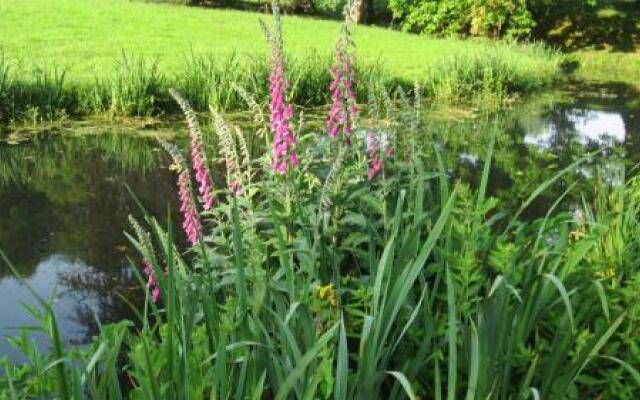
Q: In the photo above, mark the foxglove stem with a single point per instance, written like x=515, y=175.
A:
x=188, y=208
x=198, y=157
x=373, y=150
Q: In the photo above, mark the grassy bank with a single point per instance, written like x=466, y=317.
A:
x=610, y=66
x=86, y=57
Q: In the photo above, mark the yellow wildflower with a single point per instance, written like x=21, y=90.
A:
x=327, y=293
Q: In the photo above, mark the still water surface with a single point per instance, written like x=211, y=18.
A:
x=64, y=202
x=64, y=205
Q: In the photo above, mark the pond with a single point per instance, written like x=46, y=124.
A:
x=64, y=199
x=64, y=204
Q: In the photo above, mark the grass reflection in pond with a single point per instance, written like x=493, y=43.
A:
x=63, y=209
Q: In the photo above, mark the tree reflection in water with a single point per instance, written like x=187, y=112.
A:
x=63, y=207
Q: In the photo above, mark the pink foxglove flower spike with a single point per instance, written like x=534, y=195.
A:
x=152, y=282
x=284, y=156
x=198, y=157
x=190, y=217
x=344, y=108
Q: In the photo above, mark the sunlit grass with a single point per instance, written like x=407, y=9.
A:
x=88, y=35
x=73, y=57
x=610, y=66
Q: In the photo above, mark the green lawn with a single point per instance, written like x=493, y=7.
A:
x=87, y=35
x=610, y=66
x=63, y=58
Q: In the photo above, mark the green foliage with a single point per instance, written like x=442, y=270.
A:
x=323, y=284
x=139, y=87
x=492, y=18
x=571, y=24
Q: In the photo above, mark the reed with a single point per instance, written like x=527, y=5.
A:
x=139, y=86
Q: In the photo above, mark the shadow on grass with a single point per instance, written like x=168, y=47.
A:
x=611, y=25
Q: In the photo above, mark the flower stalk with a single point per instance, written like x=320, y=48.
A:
x=284, y=156
x=344, y=109
x=190, y=217
x=198, y=157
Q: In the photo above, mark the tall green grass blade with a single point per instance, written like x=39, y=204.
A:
x=565, y=297
x=308, y=358
x=241, y=285
x=342, y=365
x=533, y=392
x=408, y=277
x=437, y=380
x=452, y=337
x=482, y=189
x=404, y=383
x=475, y=364
x=595, y=345
x=258, y=390
x=603, y=298
x=632, y=371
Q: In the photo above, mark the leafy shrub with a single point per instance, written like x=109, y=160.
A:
x=493, y=18
x=329, y=7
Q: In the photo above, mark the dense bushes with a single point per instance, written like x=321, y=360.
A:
x=571, y=23
x=494, y=18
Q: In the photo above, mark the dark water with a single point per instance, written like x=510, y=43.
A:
x=64, y=204
x=63, y=210
x=538, y=139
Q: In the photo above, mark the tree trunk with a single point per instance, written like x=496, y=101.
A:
x=364, y=12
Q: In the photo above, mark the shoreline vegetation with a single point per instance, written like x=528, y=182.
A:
x=138, y=87
x=90, y=69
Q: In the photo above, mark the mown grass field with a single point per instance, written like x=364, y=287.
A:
x=610, y=66
x=83, y=57
x=87, y=35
